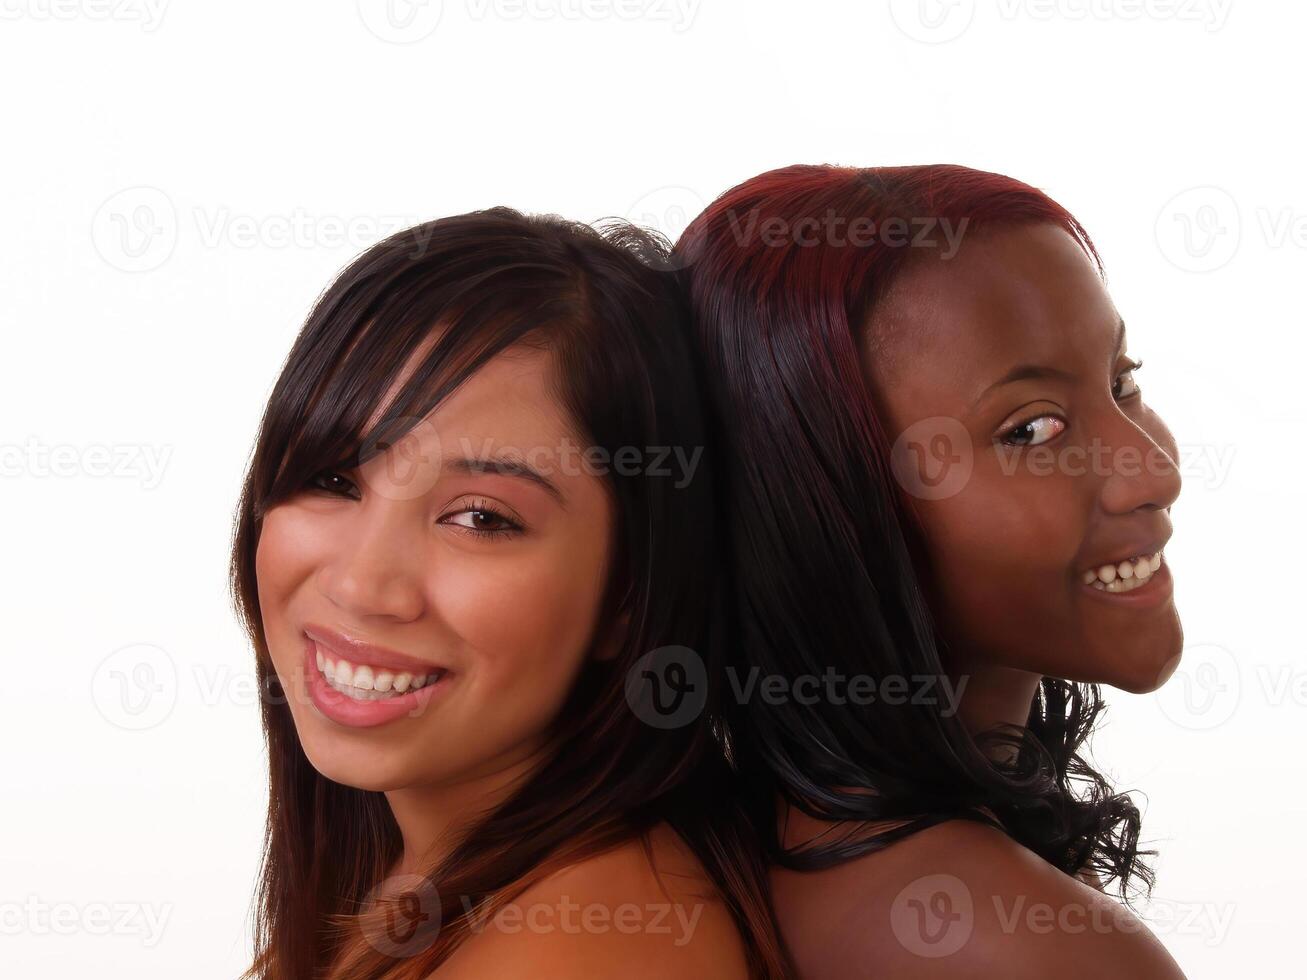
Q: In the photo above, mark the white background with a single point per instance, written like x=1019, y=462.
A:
x=178, y=182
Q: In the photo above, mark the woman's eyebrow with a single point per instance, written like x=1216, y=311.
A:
x=505, y=464
x=1027, y=372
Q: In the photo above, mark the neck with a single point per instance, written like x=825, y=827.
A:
x=996, y=696
x=989, y=695
x=432, y=817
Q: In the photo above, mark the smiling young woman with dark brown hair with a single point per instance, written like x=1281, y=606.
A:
x=938, y=468
x=449, y=565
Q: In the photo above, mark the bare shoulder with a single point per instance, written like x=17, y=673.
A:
x=960, y=900
x=629, y=912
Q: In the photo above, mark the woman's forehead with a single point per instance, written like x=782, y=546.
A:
x=1026, y=293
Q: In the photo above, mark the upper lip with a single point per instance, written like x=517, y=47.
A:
x=358, y=651
x=1134, y=548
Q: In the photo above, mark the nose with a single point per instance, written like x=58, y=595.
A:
x=1143, y=468
x=376, y=567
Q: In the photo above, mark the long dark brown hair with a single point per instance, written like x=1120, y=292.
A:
x=602, y=300
x=828, y=567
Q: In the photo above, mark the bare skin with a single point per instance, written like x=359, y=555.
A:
x=616, y=915
x=1065, y=472
x=959, y=900
x=498, y=579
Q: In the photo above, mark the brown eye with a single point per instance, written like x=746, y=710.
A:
x=1038, y=430
x=482, y=519
x=329, y=481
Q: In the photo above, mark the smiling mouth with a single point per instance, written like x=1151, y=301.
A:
x=1123, y=576
x=365, y=683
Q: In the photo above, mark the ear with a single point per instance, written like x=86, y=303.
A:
x=611, y=644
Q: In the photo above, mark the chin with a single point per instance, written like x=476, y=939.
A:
x=354, y=769
x=1147, y=674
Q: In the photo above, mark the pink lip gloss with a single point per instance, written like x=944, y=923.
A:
x=345, y=710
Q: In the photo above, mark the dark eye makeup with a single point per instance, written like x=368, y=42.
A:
x=486, y=520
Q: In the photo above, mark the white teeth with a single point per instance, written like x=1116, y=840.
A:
x=362, y=677
x=358, y=694
x=364, y=684
x=1125, y=575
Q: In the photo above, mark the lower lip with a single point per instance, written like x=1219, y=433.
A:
x=1154, y=592
x=345, y=710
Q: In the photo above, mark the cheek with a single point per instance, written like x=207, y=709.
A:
x=277, y=563
x=524, y=624
x=1000, y=553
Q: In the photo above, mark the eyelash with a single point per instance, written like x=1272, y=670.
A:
x=1134, y=366
x=485, y=508
x=478, y=506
